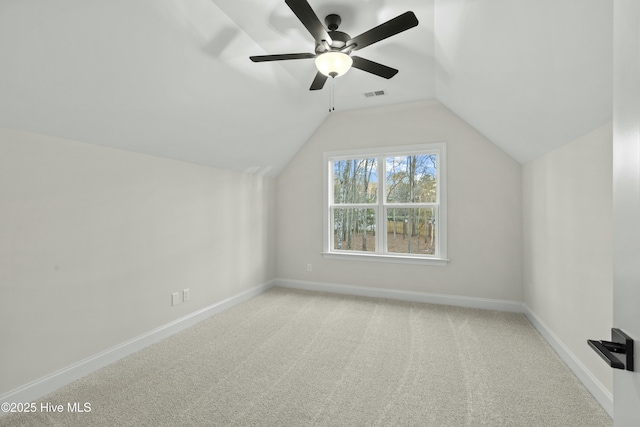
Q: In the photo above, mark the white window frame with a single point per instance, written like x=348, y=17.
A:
x=440, y=256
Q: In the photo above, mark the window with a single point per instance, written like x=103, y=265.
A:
x=386, y=204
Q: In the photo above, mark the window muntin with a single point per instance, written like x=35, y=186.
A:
x=406, y=207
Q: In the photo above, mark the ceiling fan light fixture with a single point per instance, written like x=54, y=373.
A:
x=333, y=64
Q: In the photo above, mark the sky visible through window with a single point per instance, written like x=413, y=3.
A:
x=409, y=179
x=408, y=212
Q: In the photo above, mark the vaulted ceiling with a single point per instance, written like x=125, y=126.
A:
x=172, y=78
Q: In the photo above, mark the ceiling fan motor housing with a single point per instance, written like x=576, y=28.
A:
x=339, y=39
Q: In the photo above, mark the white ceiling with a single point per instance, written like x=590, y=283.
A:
x=172, y=78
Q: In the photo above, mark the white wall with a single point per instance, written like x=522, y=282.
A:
x=567, y=252
x=94, y=240
x=484, y=203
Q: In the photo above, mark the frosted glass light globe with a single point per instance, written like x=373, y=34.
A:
x=333, y=64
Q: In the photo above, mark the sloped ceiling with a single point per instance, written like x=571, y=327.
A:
x=172, y=78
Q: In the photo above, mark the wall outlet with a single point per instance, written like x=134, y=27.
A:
x=309, y=267
x=175, y=298
x=185, y=295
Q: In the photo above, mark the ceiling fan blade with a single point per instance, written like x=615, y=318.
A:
x=390, y=28
x=281, y=57
x=373, y=67
x=309, y=19
x=318, y=81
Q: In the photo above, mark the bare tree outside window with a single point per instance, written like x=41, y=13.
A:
x=411, y=180
x=354, y=183
x=397, y=215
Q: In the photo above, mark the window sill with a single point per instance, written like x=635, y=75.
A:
x=393, y=259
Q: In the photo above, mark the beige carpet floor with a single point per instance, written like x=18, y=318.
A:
x=299, y=358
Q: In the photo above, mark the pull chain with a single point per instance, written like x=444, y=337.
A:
x=332, y=97
x=330, y=101
x=333, y=94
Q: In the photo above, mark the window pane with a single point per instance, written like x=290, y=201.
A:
x=354, y=229
x=412, y=179
x=355, y=181
x=411, y=231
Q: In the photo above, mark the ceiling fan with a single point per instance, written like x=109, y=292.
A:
x=333, y=47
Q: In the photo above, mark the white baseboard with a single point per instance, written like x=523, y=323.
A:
x=459, y=301
x=49, y=383
x=595, y=387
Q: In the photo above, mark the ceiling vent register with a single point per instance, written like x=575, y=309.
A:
x=375, y=93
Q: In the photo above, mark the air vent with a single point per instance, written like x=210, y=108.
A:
x=374, y=93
